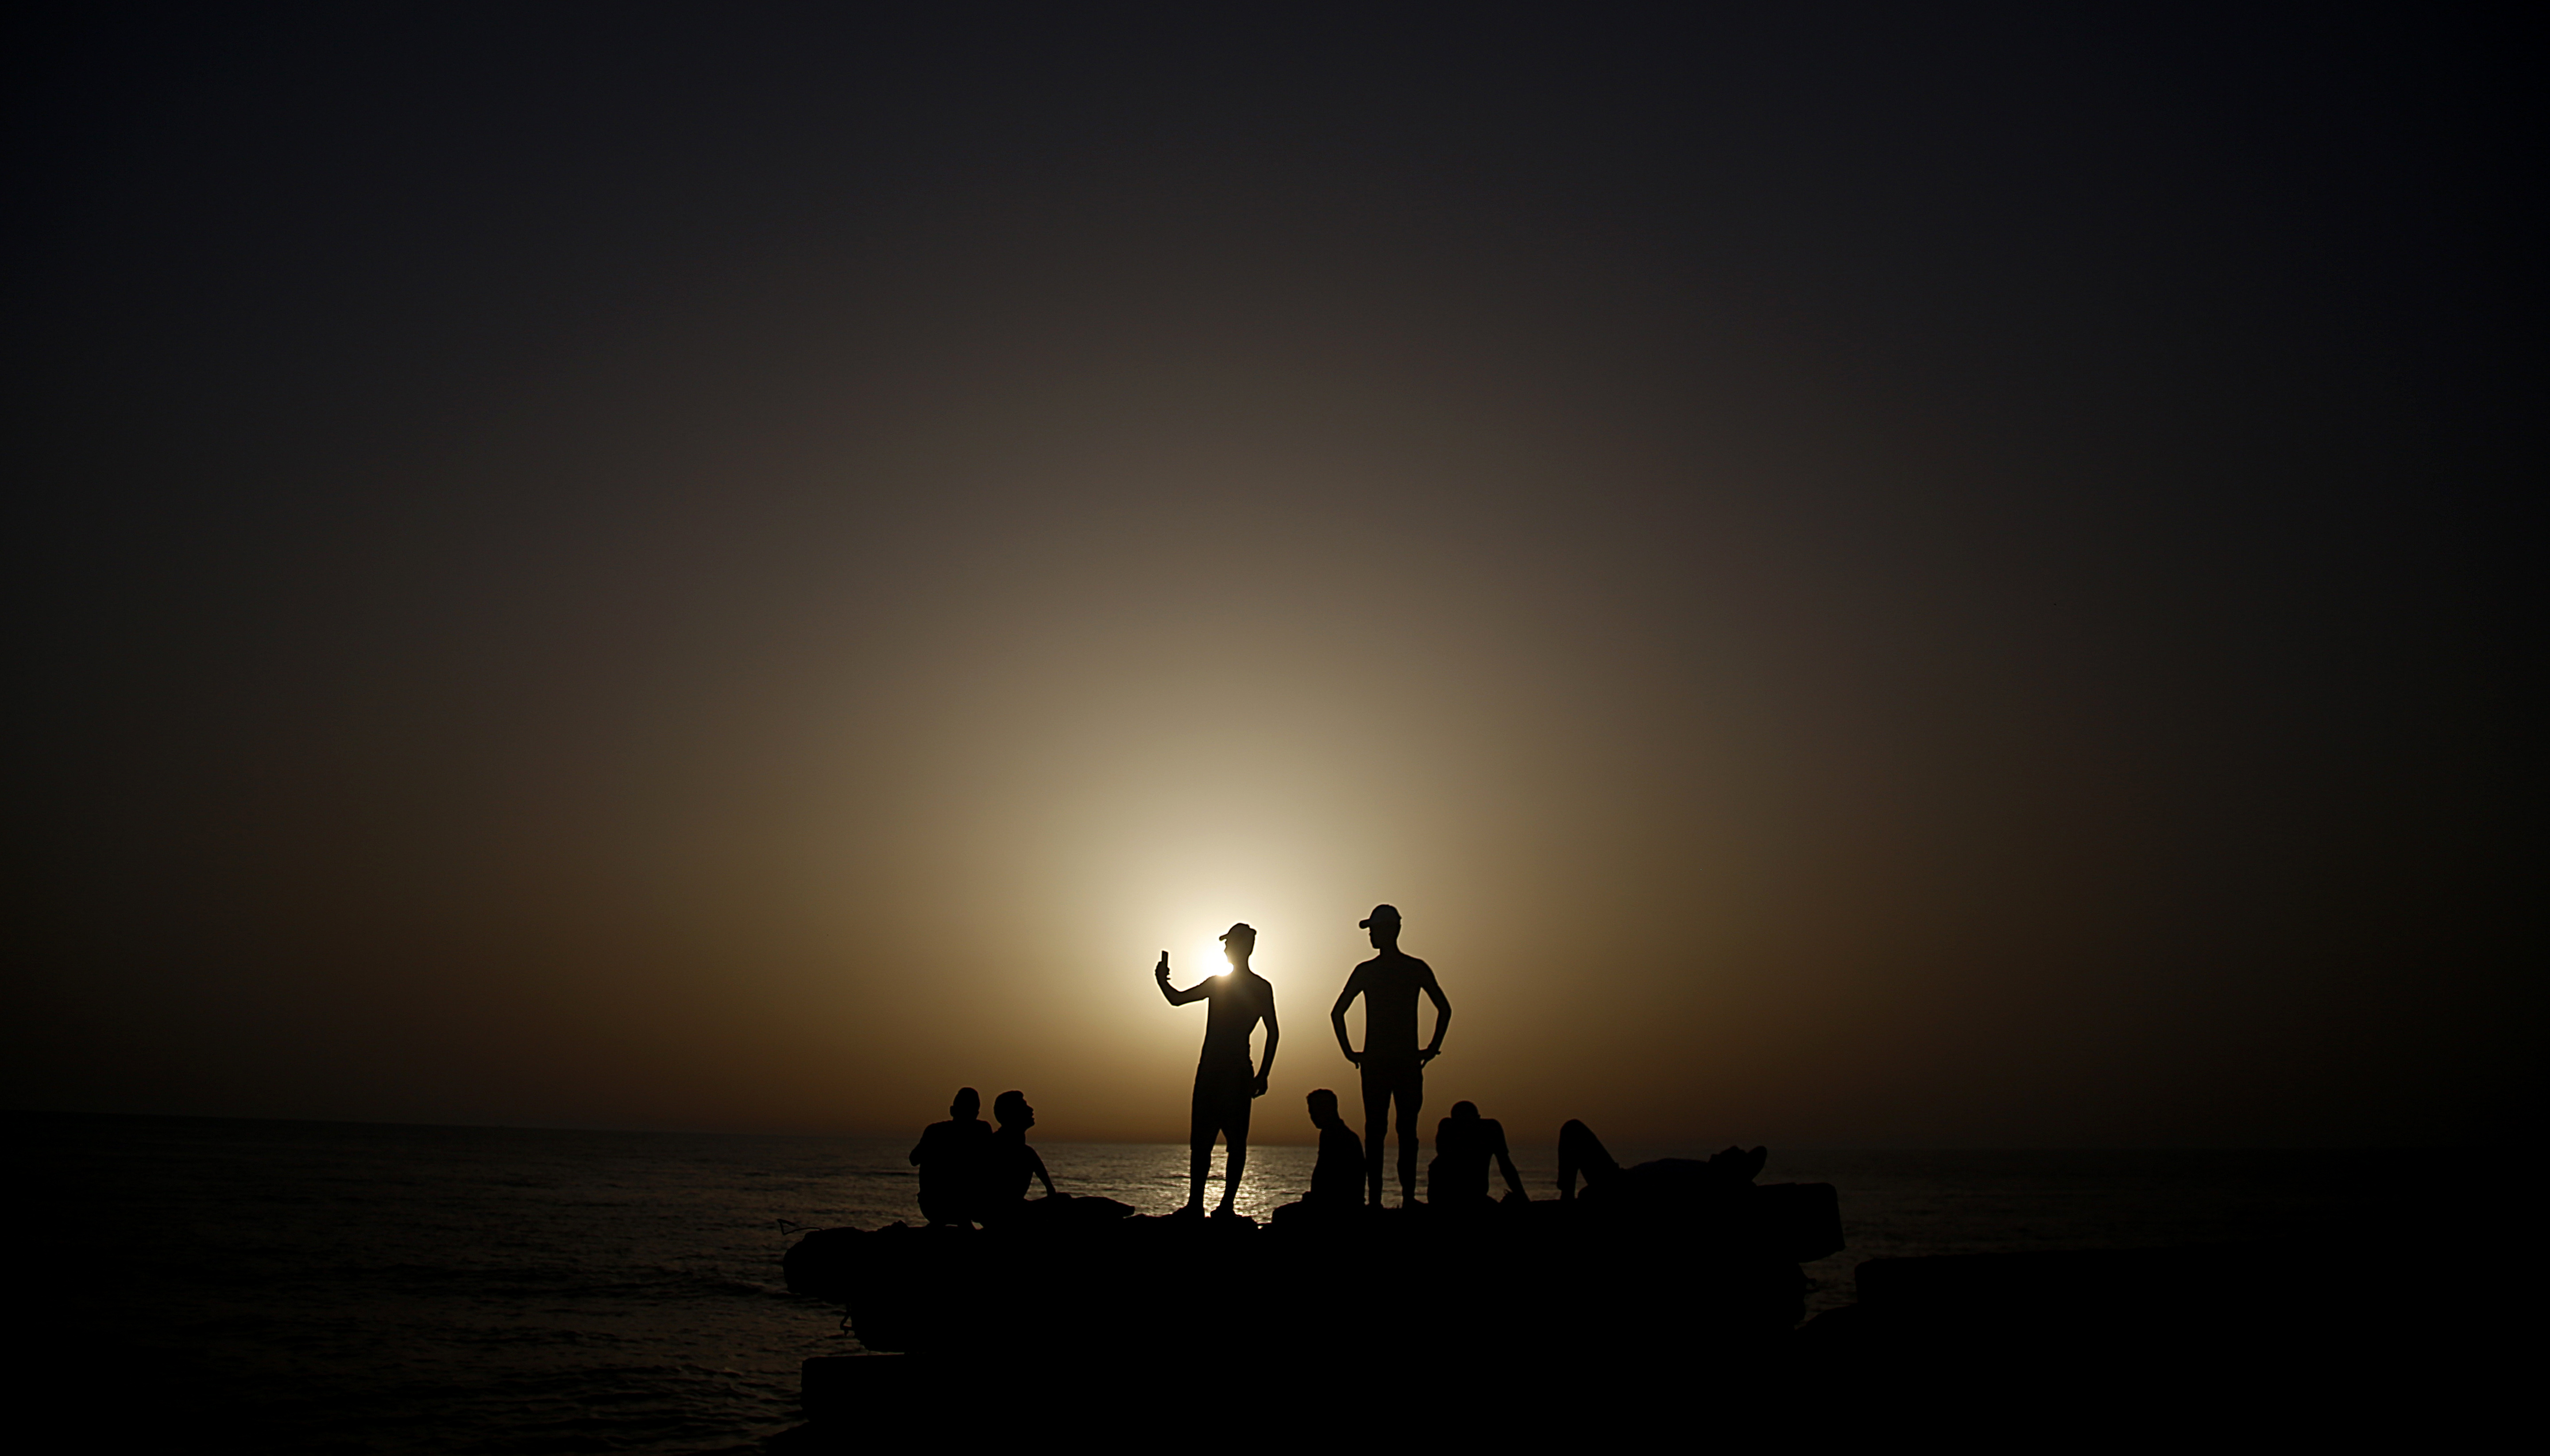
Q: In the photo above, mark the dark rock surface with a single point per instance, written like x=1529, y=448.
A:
x=2297, y=1333
x=1595, y=1279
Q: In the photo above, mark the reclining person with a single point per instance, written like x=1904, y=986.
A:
x=1456, y=1181
x=1663, y=1181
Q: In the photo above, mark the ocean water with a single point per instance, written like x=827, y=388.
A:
x=357, y=1288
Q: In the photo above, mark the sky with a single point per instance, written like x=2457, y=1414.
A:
x=1863, y=575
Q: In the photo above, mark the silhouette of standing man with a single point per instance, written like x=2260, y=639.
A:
x=1392, y=1067
x=1224, y=1086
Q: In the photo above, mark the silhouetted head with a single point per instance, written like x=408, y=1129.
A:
x=1323, y=1107
x=1238, y=941
x=967, y=1107
x=1011, y=1108
x=1465, y=1112
x=1383, y=922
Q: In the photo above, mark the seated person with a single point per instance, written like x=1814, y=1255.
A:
x=951, y=1158
x=1666, y=1180
x=1457, y=1180
x=1010, y=1163
x=1336, y=1179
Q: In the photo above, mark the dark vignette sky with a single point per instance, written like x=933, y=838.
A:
x=1862, y=574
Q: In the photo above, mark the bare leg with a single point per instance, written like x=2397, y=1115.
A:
x=1234, y=1161
x=1579, y=1149
x=1376, y=1122
x=1408, y=1111
x=1200, y=1131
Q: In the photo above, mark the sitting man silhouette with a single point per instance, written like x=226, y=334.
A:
x=1393, y=1066
x=1456, y=1182
x=1336, y=1179
x=950, y=1156
x=1224, y=1084
x=1009, y=1163
x=1648, y=1185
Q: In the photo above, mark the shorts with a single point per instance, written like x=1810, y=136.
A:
x=1222, y=1101
x=1404, y=1081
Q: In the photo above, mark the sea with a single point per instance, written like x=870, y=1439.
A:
x=324, y=1286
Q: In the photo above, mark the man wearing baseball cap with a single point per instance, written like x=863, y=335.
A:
x=1393, y=1066
x=1224, y=1087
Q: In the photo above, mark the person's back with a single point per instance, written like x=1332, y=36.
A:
x=1460, y=1166
x=1010, y=1166
x=1464, y=1144
x=1336, y=1179
x=1007, y=1171
x=951, y=1158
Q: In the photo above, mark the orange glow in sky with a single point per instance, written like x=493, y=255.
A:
x=1857, y=583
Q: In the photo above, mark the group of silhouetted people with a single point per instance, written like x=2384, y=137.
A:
x=1393, y=1065
x=971, y=1174
x=1456, y=1181
x=1391, y=1062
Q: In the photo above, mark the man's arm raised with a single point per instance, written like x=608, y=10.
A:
x=1197, y=992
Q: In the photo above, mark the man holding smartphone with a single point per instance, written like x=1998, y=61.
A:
x=1224, y=1086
